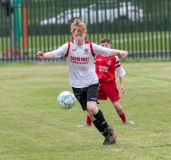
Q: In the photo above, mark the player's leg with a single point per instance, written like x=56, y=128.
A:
x=88, y=120
x=101, y=96
x=87, y=123
x=119, y=111
x=97, y=115
x=111, y=91
x=90, y=94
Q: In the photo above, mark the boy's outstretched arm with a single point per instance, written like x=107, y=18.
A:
x=123, y=54
x=47, y=55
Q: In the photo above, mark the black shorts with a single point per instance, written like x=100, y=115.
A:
x=86, y=94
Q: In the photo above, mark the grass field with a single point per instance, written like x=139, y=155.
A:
x=33, y=127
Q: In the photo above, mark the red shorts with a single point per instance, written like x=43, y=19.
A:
x=108, y=90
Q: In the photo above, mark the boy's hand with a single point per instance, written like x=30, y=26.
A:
x=124, y=54
x=122, y=89
x=40, y=54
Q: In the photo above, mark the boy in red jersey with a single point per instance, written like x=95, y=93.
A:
x=105, y=68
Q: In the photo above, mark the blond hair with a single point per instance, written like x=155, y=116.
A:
x=78, y=25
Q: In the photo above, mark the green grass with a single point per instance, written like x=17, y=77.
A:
x=33, y=127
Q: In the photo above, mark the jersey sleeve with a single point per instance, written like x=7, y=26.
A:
x=119, y=69
x=61, y=51
x=101, y=50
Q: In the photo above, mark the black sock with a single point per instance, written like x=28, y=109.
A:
x=99, y=127
x=100, y=119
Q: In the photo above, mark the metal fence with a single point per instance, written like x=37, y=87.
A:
x=141, y=27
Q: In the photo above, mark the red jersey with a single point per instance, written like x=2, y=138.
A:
x=105, y=67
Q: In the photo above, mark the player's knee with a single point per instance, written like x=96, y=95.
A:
x=92, y=107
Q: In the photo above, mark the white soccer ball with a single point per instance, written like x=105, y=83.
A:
x=66, y=100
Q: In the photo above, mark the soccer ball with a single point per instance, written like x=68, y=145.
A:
x=66, y=100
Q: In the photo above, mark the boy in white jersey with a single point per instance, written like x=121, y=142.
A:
x=105, y=68
x=83, y=78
